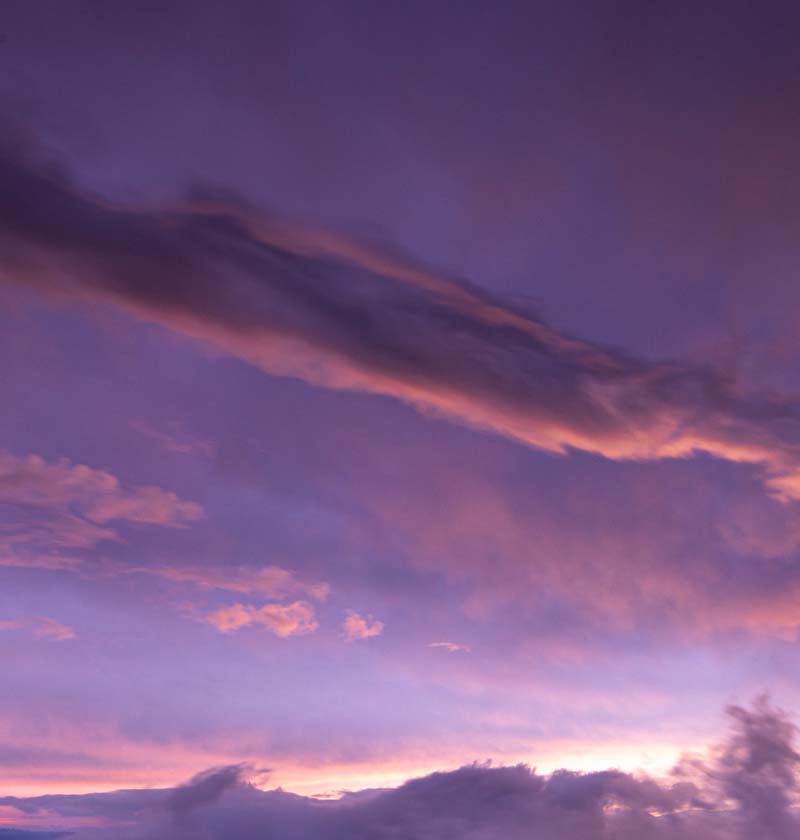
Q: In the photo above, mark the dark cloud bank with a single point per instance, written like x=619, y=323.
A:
x=342, y=316
x=745, y=789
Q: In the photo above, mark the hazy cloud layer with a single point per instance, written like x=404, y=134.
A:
x=343, y=317
x=744, y=789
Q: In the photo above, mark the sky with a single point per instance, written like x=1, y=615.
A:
x=399, y=392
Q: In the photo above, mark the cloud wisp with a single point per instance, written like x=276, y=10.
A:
x=41, y=627
x=284, y=620
x=344, y=317
x=65, y=509
x=745, y=788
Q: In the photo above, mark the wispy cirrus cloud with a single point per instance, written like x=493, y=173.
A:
x=41, y=627
x=344, y=317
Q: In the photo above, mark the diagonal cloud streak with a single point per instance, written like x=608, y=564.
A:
x=341, y=316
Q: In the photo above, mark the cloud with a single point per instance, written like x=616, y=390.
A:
x=267, y=581
x=68, y=507
x=744, y=789
x=357, y=627
x=98, y=495
x=294, y=619
x=338, y=315
x=204, y=788
x=177, y=440
x=41, y=627
x=450, y=647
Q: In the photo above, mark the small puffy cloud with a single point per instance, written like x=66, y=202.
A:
x=41, y=627
x=356, y=626
x=283, y=620
x=451, y=647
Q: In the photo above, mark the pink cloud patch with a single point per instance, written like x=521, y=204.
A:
x=294, y=619
x=358, y=627
x=41, y=627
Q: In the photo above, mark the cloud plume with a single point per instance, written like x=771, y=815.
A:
x=344, y=317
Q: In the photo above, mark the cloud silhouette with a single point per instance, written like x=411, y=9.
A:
x=97, y=494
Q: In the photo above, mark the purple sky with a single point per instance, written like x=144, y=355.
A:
x=388, y=387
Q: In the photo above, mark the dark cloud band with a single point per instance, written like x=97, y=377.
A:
x=342, y=316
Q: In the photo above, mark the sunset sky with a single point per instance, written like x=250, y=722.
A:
x=388, y=387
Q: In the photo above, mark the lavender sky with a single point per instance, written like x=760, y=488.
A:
x=392, y=386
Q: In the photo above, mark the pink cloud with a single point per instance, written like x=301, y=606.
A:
x=41, y=627
x=267, y=581
x=356, y=626
x=96, y=494
x=745, y=787
x=67, y=507
x=450, y=647
x=293, y=619
x=341, y=316
x=177, y=441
